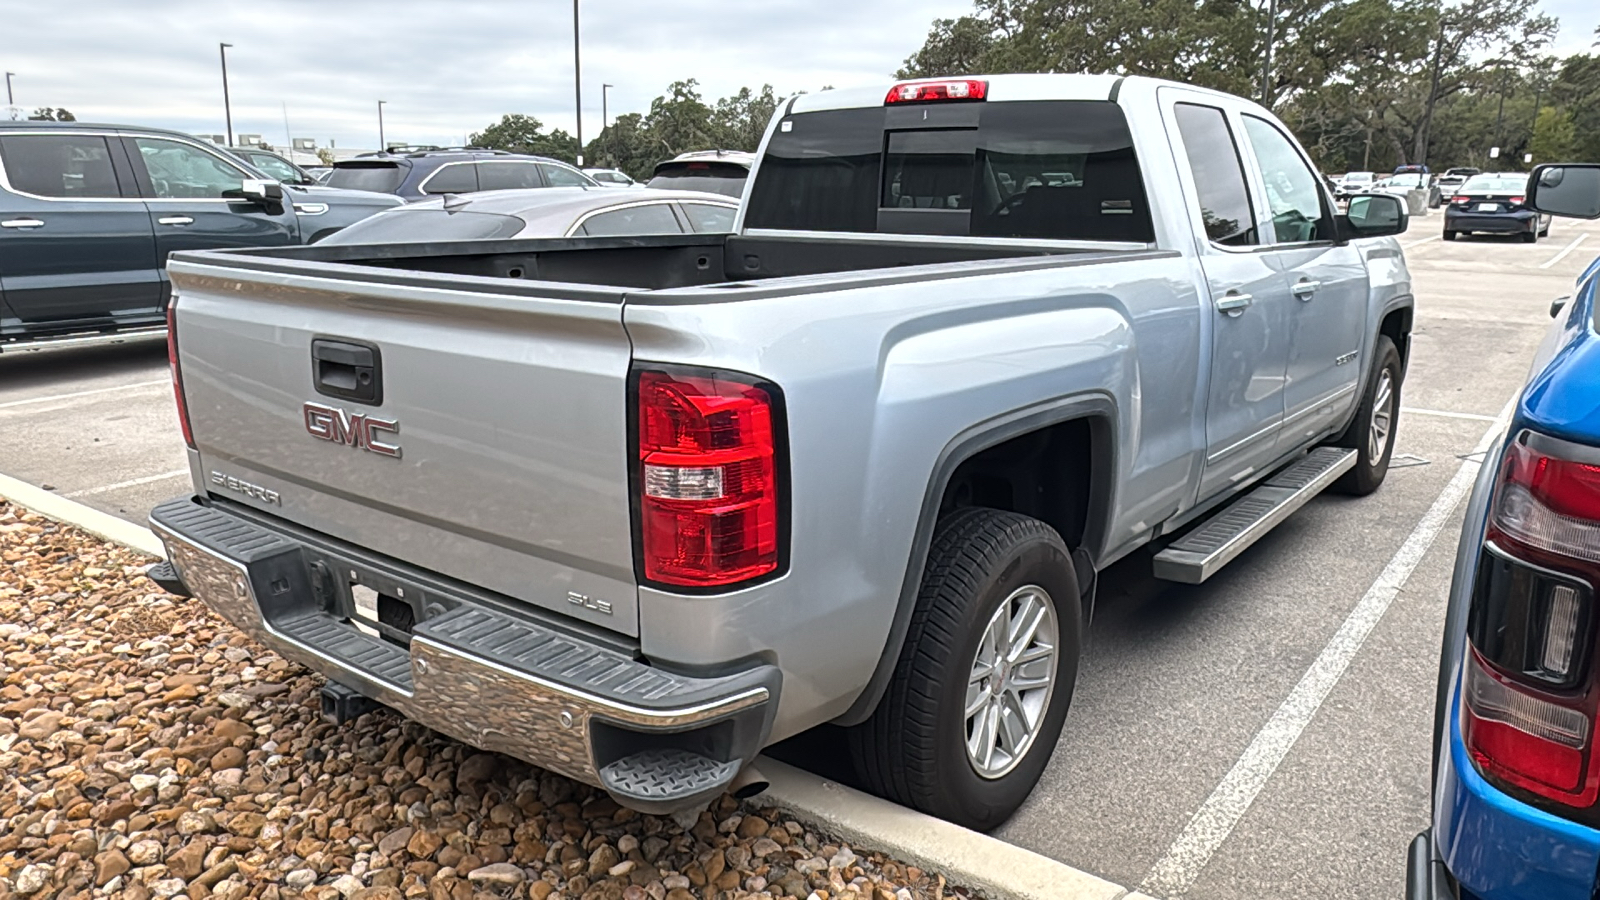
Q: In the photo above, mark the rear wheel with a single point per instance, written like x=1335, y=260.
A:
x=1449, y=235
x=1545, y=231
x=1371, y=433
x=981, y=690
x=1531, y=237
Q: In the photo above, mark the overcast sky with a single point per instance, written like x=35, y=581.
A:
x=450, y=68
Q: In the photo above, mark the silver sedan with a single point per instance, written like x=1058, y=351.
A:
x=545, y=212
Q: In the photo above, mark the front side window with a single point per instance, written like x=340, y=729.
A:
x=276, y=168
x=183, y=171
x=501, y=176
x=60, y=165
x=455, y=178
x=561, y=176
x=656, y=218
x=1219, y=183
x=1293, y=197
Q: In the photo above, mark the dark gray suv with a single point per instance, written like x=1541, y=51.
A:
x=423, y=173
x=89, y=214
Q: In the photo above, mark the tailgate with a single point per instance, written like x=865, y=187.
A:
x=506, y=405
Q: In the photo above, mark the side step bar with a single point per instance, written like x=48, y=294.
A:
x=84, y=340
x=1206, y=549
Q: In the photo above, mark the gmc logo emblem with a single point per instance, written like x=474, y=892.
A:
x=329, y=423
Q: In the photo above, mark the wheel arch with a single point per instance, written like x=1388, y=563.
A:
x=1096, y=413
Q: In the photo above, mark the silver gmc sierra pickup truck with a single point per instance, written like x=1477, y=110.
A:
x=633, y=509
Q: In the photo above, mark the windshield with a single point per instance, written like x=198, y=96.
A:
x=415, y=226
x=1515, y=182
x=1058, y=170
x=383, y=177
x=1358, y=177
x=1408, y=181
x=716, y=178
x=280, y=169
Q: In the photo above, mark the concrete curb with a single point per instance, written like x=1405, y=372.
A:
x=71, y=512
x=966, y=858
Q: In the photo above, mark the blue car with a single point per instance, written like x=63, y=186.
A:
x=1516, y=764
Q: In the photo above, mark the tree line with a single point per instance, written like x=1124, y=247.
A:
x=1365, y=84
x=678, y=121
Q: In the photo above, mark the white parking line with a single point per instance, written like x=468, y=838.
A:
x=1444, y=413
x=76, y=394
x=1564, y=251
x=1421, y=242
x=1183, y=862
x=148, y=479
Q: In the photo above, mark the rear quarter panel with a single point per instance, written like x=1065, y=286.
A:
x=878, y=381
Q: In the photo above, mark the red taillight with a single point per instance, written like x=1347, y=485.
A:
x=177, y=374
x=944, y=89
x=1529, y=689
x=707, y=478
x=1516, y=201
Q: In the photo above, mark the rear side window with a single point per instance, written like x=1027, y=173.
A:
x=454, y=178
x=1062, y=170
x=561, y=176
x=383, y=177
x=1218, y=175
x=726, y=179
x=499, y=176
x=707, y=218
x=656, y=218
x=410, y=226
x=59, y=165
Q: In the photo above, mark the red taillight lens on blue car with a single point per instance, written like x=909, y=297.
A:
x=708, y=478
x=1528, y=685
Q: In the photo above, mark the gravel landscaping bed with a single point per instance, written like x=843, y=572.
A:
x=148, y=749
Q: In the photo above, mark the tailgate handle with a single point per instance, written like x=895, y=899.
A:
x=349, y=370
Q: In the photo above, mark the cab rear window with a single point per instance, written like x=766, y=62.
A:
x=1062, y=170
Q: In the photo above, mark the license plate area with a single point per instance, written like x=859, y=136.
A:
x=377, y=603
x=1488, y=207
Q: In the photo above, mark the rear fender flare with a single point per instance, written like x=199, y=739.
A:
x=1098, y=408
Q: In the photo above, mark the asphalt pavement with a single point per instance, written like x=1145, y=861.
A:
x=1264, y=734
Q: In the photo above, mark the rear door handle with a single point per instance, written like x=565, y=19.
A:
x=1234, y=303
x=1305, y=288
x=175, y=220
x=21, y=223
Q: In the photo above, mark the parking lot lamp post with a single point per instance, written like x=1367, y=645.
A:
x=227, y=107
x=10, y=101
x=577, y=80
x=381, y=145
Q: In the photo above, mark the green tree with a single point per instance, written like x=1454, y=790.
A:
x=741, y=120
x=519, y=133
x=954, y=47
x=1555, y=138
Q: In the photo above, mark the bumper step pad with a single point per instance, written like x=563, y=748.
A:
x=666, y=774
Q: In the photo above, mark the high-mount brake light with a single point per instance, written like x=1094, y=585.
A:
x=1530, y=693
x=177, y=373
x=948, y=89
x=708, y=478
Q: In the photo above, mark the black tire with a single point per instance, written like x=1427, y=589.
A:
x=1545, y=231
x=914, y=748
x=1531, y=237
x=1449, y=235
x=1371, y=469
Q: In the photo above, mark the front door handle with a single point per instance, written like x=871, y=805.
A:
x=1234, y=303
x=175, y=220
x=21, y=223
x=1305, y=287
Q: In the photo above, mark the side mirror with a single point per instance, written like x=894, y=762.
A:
x=1557, y=305
x=262, y=191
x=1374, y=215
x=1568, y=189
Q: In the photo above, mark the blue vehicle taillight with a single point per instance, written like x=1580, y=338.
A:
x=1529, y=689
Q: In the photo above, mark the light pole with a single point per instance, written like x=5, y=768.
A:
x=381, y=145
x=10, y=101
x=605, y=115
x=577, y=80
x=227, y=108
x=1266, y=67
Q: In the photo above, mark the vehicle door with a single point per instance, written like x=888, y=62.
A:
x=1248, y=296
x=194, y=199
x=75, y=243
x=708, y=218
x=649, y=217
x=1327, y=278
